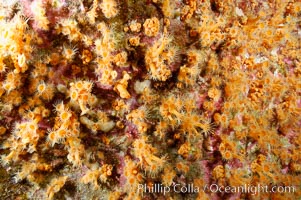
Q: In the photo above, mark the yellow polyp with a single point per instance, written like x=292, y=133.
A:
x=64, y=116
x=79, y=85
x=74, y=96
x=227, y=155
x=109, y=8
x=61, y=133
x=151, y=26
x=10, y=157
x=122, y=91
x=55, y=186
x=121, y=95
x=84, y=98
x=83, y=108
x=219, y=172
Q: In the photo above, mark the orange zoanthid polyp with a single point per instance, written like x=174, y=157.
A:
x=109, y=8
x=74, y=95
x=65, y=115
x=41, y=88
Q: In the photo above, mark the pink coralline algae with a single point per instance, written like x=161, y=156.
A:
x=115, y=99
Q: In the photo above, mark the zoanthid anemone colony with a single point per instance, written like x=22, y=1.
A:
x=101, y=97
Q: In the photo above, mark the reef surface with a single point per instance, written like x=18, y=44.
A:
x=150, y=99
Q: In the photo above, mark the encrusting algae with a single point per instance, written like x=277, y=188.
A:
x=117, y=99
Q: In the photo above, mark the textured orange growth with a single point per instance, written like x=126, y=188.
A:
x=147, y=158
x=102, y=174
x=69, y=53
x=55, y=186
x=39, y=14
x=86, y=56
x=65, y=115
x=240, y=177
x=133, y=178
x=80, y=95
x=159, y=56
x=188, y=10
x=135, y=26
x=134, y=41
x=121, y=87
x=168, y=175
x=109, y=8
x=182, y=167
x=184, y=81
x=227, y=155
x=190, y=124
x=188, y=75
x=138, y=117
x=170, y=108
x=151, y=26
x=2, y=130
x=219, y=172
x=184, y=150
x=214, y=93
x=161, y=129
